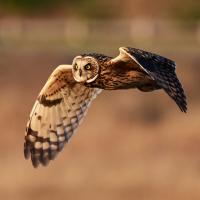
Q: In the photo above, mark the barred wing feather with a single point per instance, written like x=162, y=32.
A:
x=57, y=112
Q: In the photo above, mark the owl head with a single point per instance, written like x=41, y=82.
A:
x=85, y=69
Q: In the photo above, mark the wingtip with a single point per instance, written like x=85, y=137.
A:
x=184, y=109
x=182, y=104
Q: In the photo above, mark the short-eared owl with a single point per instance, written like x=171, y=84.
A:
x=65, y=98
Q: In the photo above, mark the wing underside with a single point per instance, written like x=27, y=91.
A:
x=57, y=112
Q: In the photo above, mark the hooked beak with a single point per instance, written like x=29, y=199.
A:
x=80, y=72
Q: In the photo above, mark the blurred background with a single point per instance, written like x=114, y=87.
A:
x=132, y=145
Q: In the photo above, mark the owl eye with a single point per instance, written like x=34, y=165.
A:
x=87, y=67
x=75, y=67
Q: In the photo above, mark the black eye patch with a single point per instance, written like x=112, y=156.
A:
x=87, y=67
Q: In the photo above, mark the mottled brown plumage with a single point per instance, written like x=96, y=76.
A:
x=66, y=96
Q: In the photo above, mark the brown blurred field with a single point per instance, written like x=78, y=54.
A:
x=131, y=145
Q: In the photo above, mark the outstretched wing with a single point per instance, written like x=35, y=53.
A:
x=57, y=112
x=161, y=69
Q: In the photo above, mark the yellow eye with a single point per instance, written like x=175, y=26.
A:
x=75, y=67
x=87, y=67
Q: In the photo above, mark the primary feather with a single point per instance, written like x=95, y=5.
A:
x=162, y=70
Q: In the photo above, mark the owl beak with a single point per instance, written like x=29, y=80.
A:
x=80, y=72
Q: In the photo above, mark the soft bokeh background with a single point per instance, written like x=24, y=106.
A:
x=132, y=145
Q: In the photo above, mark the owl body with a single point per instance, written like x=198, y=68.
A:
x=64, y=100
x=123, y=80
x=120, y=75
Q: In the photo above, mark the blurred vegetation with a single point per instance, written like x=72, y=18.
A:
x=187, y=10
x=183, y=10
x=27, y=7
x=87, y=8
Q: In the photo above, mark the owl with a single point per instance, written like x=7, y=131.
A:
x=69, y=91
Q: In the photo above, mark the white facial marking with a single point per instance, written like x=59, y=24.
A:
x=91, y=80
